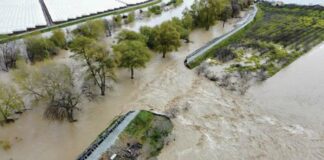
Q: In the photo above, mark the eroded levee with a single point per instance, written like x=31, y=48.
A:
x=137, y=134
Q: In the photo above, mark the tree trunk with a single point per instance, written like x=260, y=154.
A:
x=103, y=90
x=6, y=120
x=132, y=73
x=207, y=28
x=70, y=115
x=224, y=24
x=164, y=54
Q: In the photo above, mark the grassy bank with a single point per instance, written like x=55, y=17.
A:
x=6, y=38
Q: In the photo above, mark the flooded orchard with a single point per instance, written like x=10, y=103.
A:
x=210, y=123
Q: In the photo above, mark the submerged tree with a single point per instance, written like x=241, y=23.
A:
x=127, y=35
x=92, y=29
x=206, y=12
x=236, y=8
x=150, y=35
x=226, y=14
x=50, y=83
x=39, y=48
x=167, y=39
x=62, y=106
x=10, y=102
x=133, y=54
x=100, y=65
x=184, y=32
x=58, y=38
x=131, y=17
x=187, y=20
x=9, y=53
x=118, y=20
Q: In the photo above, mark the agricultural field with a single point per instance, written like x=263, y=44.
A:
x=277, y=37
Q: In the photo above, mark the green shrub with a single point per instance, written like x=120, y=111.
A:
x=118, y=20
x=5, y=145
x=155, y=9
x=58, y=38
x=39, y=48
x=94, y=29
x=131, y=17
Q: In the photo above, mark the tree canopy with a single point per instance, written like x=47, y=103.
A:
x=133, y=54
x=58, y=38
x=167, y=38
x=10, y=101
x=125, y=35
x=100, y=65
x=92, y=29
x=150, y=35
x=52, y=84
x=206, y=12
x=39, y=48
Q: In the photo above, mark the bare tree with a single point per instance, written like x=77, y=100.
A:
x=8, y=55
x=53, y=84
x=63, y=106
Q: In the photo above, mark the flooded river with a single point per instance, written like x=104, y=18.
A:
x=212, y=123
x=34, y=138
x=302, y=2
x=296, y=93
x=281, y=119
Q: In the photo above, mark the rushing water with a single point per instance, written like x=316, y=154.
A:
x=153, y=88
x=302, y=2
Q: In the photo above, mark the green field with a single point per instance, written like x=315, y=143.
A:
x=277, y=37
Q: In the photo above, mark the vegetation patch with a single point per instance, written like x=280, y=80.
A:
x=155, y=9
x=277, y=37
x=5, y=145
x=143, y=138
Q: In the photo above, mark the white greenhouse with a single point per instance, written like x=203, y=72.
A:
x=21, y=15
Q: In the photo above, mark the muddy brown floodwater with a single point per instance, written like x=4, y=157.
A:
x=32, y=137
x=296, y=93
x=211, y=124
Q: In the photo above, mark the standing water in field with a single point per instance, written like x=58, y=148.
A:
x=164, y=16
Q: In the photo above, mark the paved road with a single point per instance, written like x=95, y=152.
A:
x=247, y=20
x=111, y=138
x=47, y=16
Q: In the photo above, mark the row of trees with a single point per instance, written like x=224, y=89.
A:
x=205, y=13
x=29, y=79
